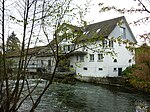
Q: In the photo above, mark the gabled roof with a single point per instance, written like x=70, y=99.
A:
x=31, y=51
x=104, y=28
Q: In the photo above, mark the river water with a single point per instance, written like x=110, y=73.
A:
x=86, y=97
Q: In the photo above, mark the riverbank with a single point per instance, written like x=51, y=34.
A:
x=114, y=81
x=123, y=82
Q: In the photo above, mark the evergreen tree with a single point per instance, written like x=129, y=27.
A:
x=13, y=43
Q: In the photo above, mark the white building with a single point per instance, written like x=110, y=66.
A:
x=102, y=50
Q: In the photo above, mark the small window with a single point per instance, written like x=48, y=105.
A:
x=84, y=68
x=81, y=58
x=68, y=47
x=100, y=57
x=71, y=66
x=77, y=58
x=123, y=32
x=64, y=48
x=104, y=43
x=72, y=47
x=115, y=60
x=91, y=57
x=49, y=63
x=115, y=69
x=100, y=68
x=86, y=32
x=129, y=60
x=111, y=44
x=42, y=63
x=98, y=30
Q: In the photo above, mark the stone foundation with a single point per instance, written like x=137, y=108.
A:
x=116, y=81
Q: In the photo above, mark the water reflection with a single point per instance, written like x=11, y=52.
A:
x=85, y=97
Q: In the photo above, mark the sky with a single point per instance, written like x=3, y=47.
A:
x=94, y=16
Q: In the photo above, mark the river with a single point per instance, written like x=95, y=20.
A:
x=86, y=97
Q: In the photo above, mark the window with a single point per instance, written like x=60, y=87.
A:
x=68, y=47
x=71, y=66
x=123, y=32
x=100, y=68
x=115, y=60
x=86, y=32
x=91, y=57
x=104, y=43
x=98, y=30
x=72, y=47
x=42, y=63
x=129, y=60
x=64, y=48
x=49, y=63
x=100, y=57
x=111, y=44
x=77, y=58
x=115, y=69
x=84, y=68
x=81, y=58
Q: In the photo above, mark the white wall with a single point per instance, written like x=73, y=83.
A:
x=123, y=56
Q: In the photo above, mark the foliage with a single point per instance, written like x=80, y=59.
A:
x=139, y=74
x=13, y=43
x=1, y=61
x=31, y=17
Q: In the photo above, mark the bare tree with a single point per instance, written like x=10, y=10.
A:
x=140, y=7
x=36, y=14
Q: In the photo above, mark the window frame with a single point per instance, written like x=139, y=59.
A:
x=104, y=43
x=85, y=68
x=100, y=57
x=111, y=43
x=115, y=61
x=123, y=32
x=91, y=57
x=81, y=58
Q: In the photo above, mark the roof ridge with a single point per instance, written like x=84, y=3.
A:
x=107, y=20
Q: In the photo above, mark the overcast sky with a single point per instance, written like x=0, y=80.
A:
x=95, y=16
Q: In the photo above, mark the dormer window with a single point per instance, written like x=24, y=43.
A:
x=98, y=30
x=68, y=47
x=86, y=32
x=123, y=32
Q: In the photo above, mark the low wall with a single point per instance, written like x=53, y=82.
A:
x=116, y=81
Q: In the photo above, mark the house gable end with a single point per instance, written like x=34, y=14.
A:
x=128, y=33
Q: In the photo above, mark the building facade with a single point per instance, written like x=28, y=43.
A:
x=103, y=57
